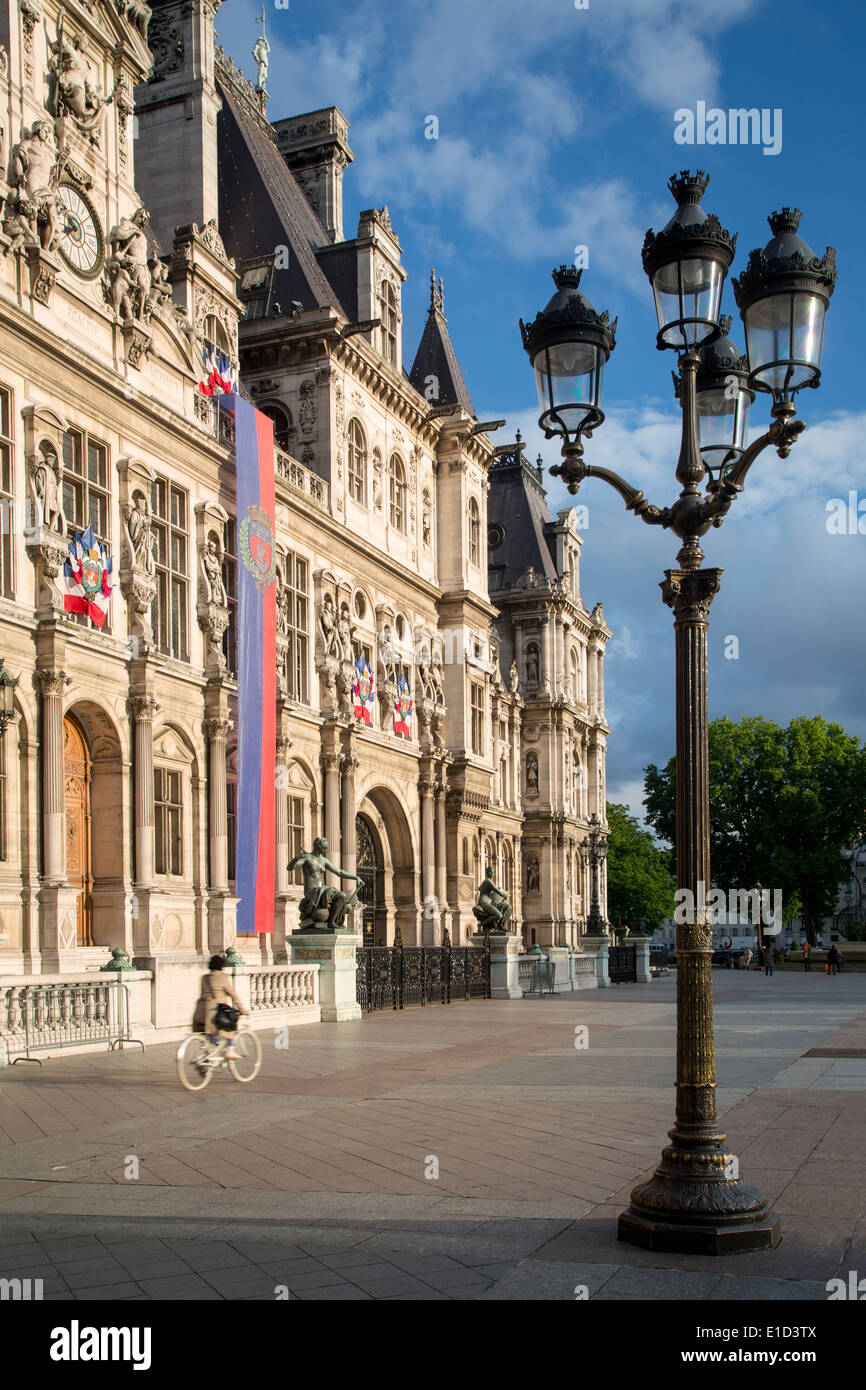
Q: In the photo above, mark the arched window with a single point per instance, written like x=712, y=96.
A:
x=397, y=492
x=214, y=333
x=282, y=424
x=388, y=315
x=357, y=463
x=474, y=533
x=466, y=856
x=507, y=884
x=490, y=858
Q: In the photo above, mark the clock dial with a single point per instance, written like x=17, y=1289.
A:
x=81, y=243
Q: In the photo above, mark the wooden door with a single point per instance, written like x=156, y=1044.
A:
x=76, y=769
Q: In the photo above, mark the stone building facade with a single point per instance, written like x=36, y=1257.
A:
x=150, y=208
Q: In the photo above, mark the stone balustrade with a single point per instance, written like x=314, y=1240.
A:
x=282, y=986
x=303, y=480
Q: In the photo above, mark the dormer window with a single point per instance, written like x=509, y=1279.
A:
x=357, y=463
x=474, y=533
x=282, y=424
x=388, y=315
x=397, y=490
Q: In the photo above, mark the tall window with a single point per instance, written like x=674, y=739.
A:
x=168, y=821
x=296, y=832
x=170, y=521
x=476, y=697
x=388, y=314
x=282, y=424
x=397, y=492
x=7, y=587
x=230, y=580
x=357, y=463
x=85, y=492
x=474, y=533
x=575, y=678
x=297, y=583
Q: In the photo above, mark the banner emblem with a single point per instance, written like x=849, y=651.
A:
x=257, y=546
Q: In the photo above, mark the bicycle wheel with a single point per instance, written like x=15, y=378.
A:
x=192, y=1068
x=246, y=1065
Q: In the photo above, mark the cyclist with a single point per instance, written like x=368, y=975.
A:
x=216, y=989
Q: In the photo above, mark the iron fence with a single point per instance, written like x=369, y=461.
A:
x=46, y=1018
x=622, y=964
x=398, y=976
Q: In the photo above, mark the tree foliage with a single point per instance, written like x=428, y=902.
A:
x=784, y=804
x=640, y=885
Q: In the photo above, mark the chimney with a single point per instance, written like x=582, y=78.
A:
x=316, y=149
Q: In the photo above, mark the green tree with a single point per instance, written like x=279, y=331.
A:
x=640, y=885
x=784, y=804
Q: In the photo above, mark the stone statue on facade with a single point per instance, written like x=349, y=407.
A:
x=73, y=94
x=513, y=678
x=139, y=538
x=321, y=908
x=129, y=279
x=35, y=174
x=45, y=488
x=211, y=566
x=328, y=628
x=261, y=49
x=493, y=909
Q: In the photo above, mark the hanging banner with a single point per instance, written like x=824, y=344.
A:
x=257, y=666
x=362, y=689
x=402, y=707
x=89, y=578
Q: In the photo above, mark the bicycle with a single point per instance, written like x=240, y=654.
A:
x=198, y=1058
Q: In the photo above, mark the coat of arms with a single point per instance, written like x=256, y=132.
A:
x=257, y=546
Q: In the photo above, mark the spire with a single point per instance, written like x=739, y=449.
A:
x=436, y=372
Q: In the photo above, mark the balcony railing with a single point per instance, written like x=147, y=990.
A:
x=303, y=480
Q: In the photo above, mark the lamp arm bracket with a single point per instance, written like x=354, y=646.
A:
x=781, y=436
x=631, y=496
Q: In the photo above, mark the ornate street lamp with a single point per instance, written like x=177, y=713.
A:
x=692, y=1203
x=596, y=853
x=8, y=683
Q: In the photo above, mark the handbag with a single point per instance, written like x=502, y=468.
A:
x=226, y=1018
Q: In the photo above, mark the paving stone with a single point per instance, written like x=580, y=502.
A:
x=740, y=1288
x=108, y=1292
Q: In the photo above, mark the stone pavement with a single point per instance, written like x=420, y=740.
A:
x=465, y=1152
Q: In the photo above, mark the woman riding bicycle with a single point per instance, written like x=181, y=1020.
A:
x=216, y=989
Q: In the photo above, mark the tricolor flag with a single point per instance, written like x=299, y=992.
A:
x=402, y=707
x=220, y=377
x=89, y=578
x=362, y=689
x=257, y=666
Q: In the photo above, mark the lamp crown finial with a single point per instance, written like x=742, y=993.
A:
x=725, y=325
x=786, y=220
x=566, y=277
x=688, y=188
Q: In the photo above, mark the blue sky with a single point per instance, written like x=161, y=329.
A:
x=556, y=127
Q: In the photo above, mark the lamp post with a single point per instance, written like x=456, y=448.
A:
x=693, y=1203
x=596, y=853
x=8, y=683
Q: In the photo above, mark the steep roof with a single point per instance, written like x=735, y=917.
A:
x=436, y=357
x=262, y=207
x=517, y=506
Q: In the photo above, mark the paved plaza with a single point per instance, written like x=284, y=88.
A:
x=461, y=1152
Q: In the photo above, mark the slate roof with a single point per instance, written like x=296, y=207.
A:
x=517, y=502
x=436, y=357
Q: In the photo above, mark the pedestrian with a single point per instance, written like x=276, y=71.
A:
x=833, y=960
x=216, y=989
x=769, y=957
x=840, y=960
x=807, y=953
x=747, y=957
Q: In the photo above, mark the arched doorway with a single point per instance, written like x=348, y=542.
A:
x=76, y=781
x=368, y=868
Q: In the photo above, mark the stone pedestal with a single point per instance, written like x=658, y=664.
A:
x=504, y=963
x=598, y=946
x=222, y=923
x=58, y=918
x=334, y=953
x=641, y=944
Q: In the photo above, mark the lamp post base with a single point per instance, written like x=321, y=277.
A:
x=687, y=1208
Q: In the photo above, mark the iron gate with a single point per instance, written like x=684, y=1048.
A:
x=398, y=976
x=622, y=965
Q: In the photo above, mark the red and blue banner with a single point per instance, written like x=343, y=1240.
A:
x=362, y=689
x=257, y=666
x=89, y=577
x=402, y=707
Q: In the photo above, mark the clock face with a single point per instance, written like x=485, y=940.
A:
x=81, y=243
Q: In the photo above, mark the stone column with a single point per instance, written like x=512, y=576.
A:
x=216, y=729
x=331, y=761
x=143, y=709
x=599, y=680
x=51, y=685
x=283, y=855
x=441, y=856
x=519, y=655
x=545, y=683
x=349, y=852
x=428, y=844
x=592, y=679
x=515, y=757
